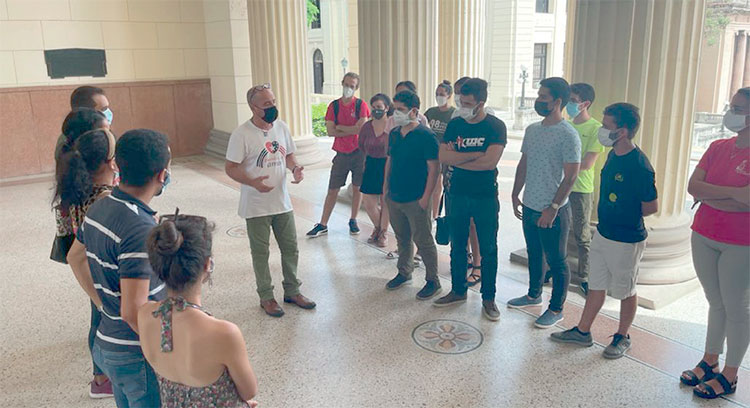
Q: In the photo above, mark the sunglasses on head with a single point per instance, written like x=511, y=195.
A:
x=173, y=217
x=259, y=88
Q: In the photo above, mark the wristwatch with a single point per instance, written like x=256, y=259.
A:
x=555, y=206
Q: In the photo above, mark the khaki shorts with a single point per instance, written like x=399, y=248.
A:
x=614, y=266
x=343, y=163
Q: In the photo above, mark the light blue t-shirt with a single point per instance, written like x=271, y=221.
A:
x=546, y=149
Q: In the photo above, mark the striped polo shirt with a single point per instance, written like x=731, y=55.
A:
x=114, y=233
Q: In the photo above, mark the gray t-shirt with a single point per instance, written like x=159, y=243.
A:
x=546, y=149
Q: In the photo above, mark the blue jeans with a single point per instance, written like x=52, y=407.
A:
x=96, y=317
x=484, y=211
x=133, y=380
x=550, y=243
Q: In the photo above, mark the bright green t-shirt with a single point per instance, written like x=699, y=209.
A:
x=589, y=133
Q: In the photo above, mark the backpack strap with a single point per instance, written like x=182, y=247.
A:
x=357, y=108
x=336, y=112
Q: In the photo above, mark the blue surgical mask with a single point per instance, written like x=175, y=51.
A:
x=164, y=185
x=108, y=114
x=573, y=109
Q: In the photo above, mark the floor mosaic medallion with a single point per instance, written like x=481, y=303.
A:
x=447, y=337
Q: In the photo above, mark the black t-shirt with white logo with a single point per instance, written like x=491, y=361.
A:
x=467, y=137
x=627, y=182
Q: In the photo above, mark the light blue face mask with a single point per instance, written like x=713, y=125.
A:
x=108, y=114
x=573, y=109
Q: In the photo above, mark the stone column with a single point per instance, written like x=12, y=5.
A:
x=646, y=52
x=398, y=41
x=278, y=55
x=461, y=36
x=738, y=63
x=746, y=75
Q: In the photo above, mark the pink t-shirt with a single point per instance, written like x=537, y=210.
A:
x=725, y=165
x=347, y=117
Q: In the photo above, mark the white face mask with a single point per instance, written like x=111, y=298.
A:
x=734, y=122
x=401, y=118
x=348, y=92
x=607, y=137
x=441, y=100
x=466, y=113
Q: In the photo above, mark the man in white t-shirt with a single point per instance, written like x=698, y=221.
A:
x=258, y=155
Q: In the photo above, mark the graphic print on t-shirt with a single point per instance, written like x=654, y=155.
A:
x=466, y=142
x=270, y=148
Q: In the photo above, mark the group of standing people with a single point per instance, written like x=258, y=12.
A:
x=407, y=155
x=153, y=343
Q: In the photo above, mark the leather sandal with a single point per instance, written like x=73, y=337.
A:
x=693, y=379
x=474, y=278
x=710, y=393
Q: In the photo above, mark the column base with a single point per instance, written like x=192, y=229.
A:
x=308, y=151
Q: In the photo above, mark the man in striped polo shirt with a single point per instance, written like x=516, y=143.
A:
x=114, y=234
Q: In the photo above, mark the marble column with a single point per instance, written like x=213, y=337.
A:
x=398, y=41
x=461, y=36
x=645, y=52
x=278, y=55
x=738, y=62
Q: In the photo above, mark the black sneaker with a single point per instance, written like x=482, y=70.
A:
x=317, y=231
x=449, y=299
x=620, y=344
x=353, y=227
x=583, y=289
x=397, y=282
x=430, y=289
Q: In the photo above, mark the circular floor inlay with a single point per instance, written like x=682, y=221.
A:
x=238, y=231
x=447, y=337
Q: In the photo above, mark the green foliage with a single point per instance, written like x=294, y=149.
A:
x=318, y=119
x=312, y=12
x=716, y=21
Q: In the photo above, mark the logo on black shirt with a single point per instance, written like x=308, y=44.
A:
x=465, y=142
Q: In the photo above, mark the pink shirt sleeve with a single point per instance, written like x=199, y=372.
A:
x=329, y=113
x=705, y=161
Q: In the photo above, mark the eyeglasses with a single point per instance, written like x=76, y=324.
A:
x=257, y=89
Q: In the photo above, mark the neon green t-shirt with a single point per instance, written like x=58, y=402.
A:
x=589, y=133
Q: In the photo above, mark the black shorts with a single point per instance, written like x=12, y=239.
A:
x=372, y=180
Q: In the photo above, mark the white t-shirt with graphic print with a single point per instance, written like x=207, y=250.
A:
x=268, y=151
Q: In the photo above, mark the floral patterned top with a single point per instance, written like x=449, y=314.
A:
x=78, y=212
x=67, y=222
x=222, y=393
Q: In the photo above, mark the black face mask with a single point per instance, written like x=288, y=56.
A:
x=542, y=108
x=270, y=114
x=378, y=113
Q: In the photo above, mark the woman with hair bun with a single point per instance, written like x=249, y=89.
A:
x=200, y=361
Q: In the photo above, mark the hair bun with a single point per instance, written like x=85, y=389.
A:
x=168, y=239
x=446, y=82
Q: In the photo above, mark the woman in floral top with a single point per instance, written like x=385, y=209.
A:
x=85, y=173
x=199, y=360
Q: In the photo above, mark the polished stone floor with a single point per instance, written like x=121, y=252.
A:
x=363, y=346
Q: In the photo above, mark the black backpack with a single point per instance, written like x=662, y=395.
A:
x=357, y=109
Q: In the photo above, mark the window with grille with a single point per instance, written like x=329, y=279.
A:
x=540, y=63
